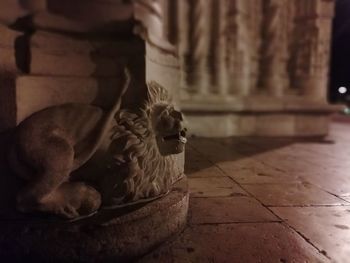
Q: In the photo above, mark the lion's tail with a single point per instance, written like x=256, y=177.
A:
x=106, y=124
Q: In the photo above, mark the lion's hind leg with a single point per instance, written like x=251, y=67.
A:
x=49, y=190
x=71, y=200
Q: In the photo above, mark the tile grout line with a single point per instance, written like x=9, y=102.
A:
x=238, y=223
x=283, y=171
x=321, y=251
x=282, y=221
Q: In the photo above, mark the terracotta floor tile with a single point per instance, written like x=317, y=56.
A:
x=295, y=194
x=230, y=243
x=214, y=186
x=330, y=174
x=255, y=173
x=228, y=210
x=328, y=228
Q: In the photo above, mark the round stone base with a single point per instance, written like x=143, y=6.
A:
x=109, y=236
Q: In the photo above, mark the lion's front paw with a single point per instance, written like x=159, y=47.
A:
x=70, y=200
x=68, y=211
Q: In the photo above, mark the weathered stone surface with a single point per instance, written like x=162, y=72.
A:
x=211, y=125
x=55, y=54
x=197, y=165
x=10, y=11
x=85, y=17
x=43, y=20
x=225, y=210
x=263, y=103
x=327, y=228
x=224, y=124
x=311, y=125
x=297, y=194
x=253, y=172
x=212, y=171
x=214, y=186
x=92, y=12
x=8, y=64
x=275, y=125
x=35, y=93
x=167, y=76
x=8, y=36
x=110, y=235
x=59, y=44
x=61, y=65
x=34, y=5
x=226, y=243
x=324, y=163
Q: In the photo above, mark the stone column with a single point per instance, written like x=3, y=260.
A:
x=238, y=53
x=255, y=21
x=217, y=68
x=312, y=48
x=193, y=45
x=273, y=67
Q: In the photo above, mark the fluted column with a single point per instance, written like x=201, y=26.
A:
x=196, y=48
x=255, y=21
x=239, y=66
x=273, y=67
x=312, y=48
x=217, y=68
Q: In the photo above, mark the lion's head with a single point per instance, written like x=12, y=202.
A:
x=166, y=122
x=145, y=144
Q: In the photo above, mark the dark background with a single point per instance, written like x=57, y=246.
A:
x=340, y=55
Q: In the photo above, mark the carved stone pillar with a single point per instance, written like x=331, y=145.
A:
x=274, y=48
x=255, y=21
x=313, y=23
x=238, y=48
x=87, y=155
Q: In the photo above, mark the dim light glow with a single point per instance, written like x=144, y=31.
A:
x=342, y=90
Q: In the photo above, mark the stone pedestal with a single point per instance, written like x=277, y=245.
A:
x=54, y=52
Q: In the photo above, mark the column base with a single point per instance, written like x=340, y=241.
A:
x=262, y=124
x=292, y=116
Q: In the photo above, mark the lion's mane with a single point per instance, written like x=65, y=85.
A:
x=149, y=174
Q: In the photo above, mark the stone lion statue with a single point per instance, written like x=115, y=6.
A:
x=76, y=158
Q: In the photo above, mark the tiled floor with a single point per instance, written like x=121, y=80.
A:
x=266, y=200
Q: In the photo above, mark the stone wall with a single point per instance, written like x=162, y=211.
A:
x=54, y=51
x=245, y=67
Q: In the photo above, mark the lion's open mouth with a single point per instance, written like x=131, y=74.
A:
x=181, y=137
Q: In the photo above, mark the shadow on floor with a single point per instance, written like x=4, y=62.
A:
x=202, y=153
